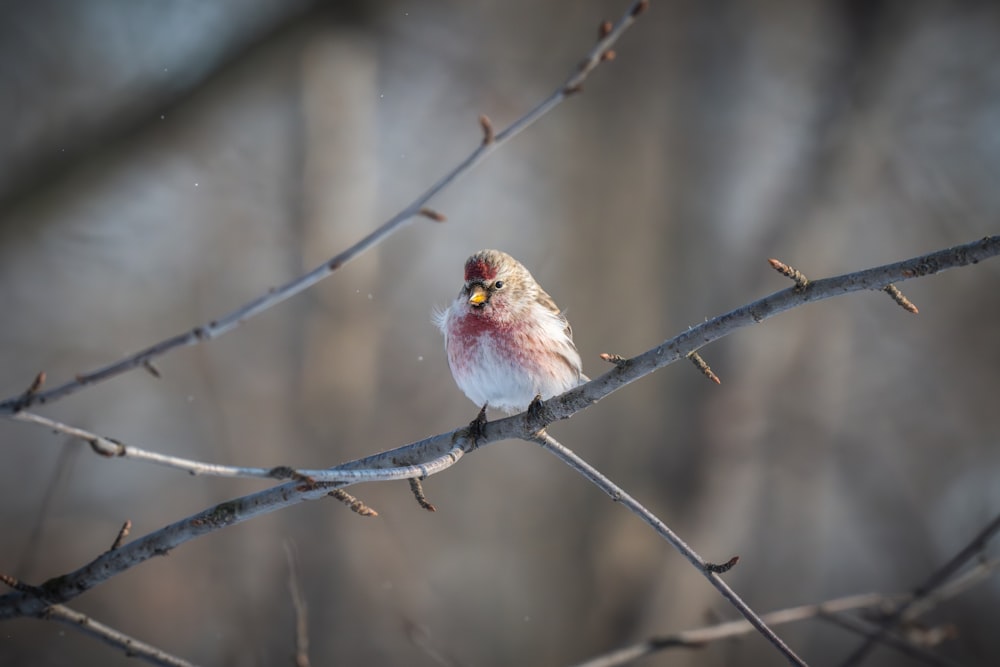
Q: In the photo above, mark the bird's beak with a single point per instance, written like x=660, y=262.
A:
x=479, y=295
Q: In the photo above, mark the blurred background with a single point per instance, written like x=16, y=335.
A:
x=163, y=163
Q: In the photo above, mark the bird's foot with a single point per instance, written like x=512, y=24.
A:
x=536, y=411
x=476, y=427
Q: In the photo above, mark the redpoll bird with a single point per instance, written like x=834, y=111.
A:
x=507, y=341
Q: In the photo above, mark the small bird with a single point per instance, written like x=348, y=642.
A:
x=507, y=341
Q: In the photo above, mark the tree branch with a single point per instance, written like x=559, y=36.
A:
x=130, y=645
x=416, y=208
x=300, y=607
x=619, y=495
x=700, y=637
x=832, y=610
x=437, y=453
x=934, y=582
x=111, y=448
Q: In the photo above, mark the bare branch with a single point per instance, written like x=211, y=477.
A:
x=437, y=453
x=562, y=407
x=831, y=610
x=101, y=445
x=619, y=495
x=68, y=452
x=700, y=637
x=276, y=295
x=904, y=645
x=935, y=581
x=300, y=606
x=130, y=645
x=698, y=336
x=110, y=447
x=29, y=394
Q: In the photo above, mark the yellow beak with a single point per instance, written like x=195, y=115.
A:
x=478, y=295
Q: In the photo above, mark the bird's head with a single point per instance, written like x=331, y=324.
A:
x=495, y=283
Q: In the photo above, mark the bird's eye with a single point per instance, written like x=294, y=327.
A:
x=498, y=284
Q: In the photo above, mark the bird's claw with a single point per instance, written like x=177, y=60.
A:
x=536, y=411
x=476, y=427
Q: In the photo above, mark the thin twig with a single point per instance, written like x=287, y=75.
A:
x=833, y=611
x=722, y=568
x=31, y=392
x=936, y=580
x=618, y=494
x=299, y=605
x=276, y=295
x=130, y=645
x=953, y=587
x=616, y=359
x=68, y=454
x=122, y=534
x=18, y=585
x=898, y=643
x=489, y=134
x=900, y=300
x=357, y=506
x=703, y=367
x=109, y=447
x=431, y=214
x=36, y=384
x=417, y=489
x=801, y=282
x=700, y=637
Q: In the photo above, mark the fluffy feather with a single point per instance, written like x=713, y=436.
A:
x=514, y=345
